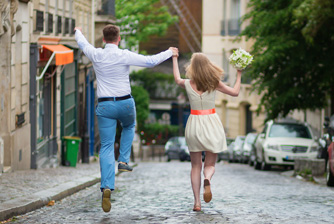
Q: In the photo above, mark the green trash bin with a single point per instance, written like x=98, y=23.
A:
x=72, y=148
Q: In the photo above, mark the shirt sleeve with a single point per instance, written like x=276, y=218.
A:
x=84, y=45
x=147, y=61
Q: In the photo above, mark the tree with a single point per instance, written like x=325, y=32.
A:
x=289, y=70
x=140, y=19
x=141, y=98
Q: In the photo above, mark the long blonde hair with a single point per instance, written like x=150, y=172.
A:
x=203, y=72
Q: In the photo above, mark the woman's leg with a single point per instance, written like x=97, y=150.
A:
x=209, y=170
x=209, y=164
x=196, y=169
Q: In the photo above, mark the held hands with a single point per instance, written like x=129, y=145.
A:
x=175, y=51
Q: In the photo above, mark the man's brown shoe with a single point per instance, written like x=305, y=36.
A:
x=106, y=204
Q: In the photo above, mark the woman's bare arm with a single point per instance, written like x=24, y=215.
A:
x=176, y=72
x=229, y=90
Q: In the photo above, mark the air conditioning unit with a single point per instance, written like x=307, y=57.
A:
x=2, y=154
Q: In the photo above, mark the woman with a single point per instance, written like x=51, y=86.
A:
x=204, y=130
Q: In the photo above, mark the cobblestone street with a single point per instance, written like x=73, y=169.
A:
x=161, y=193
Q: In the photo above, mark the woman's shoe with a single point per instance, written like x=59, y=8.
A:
x=197, y=208
x=207, y=195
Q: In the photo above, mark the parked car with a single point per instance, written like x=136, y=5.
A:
x=225, y=154
x=177, y=148
x=247, y=147
x=280, y=143
x=235, y=149
x=252, y=156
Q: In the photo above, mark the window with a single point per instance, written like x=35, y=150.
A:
x=108, y=8
x=234, y=21
x=50, y=23
x=59, y=23
x=39, y=20
x=40, y=111
x=223, y=26
x=72, y=26
x=67, y=26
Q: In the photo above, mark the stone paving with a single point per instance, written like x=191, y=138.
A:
x=26, y=182
x=161, y=193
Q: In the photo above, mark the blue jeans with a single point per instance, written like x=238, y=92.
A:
x=108, y=112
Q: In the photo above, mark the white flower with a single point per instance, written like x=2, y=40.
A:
x=240, y=59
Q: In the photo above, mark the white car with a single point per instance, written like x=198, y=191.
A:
x=280, y=143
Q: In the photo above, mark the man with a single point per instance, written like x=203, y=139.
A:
x=115, y=102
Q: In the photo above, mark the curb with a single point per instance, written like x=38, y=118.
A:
x=25, y=204
x=39, y=199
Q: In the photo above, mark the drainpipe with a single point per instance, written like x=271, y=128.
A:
x=93, y=23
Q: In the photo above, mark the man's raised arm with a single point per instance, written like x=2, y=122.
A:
x=150, y=61
x=84, y=45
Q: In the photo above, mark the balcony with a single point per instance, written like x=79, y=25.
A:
x=234, y=27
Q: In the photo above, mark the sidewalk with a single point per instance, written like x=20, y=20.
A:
x=25, y=191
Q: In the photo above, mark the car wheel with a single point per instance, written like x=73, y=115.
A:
x=182, y=159
x=329, y=176
x=250, y=162
x=168, y=158
x=265, y=166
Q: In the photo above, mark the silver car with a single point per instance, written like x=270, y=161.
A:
x=177, y=148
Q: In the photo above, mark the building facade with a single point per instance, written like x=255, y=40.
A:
x=220, y=27
x=14, y=90
x=54, y=75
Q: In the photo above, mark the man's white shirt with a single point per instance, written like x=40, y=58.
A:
x=112, y=65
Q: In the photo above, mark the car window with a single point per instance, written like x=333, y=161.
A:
x=289, y=131
x=182, y=141
x=239, y=140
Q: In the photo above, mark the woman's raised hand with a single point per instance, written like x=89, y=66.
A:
x=175, y=51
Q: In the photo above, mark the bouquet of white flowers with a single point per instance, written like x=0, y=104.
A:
x=240, y=59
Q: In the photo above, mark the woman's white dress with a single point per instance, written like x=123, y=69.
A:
x=204, y=132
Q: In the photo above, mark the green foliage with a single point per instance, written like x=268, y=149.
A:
x=314, y=15
x=158, y=132
x=288, y=71
x=140, y=19
x=141, y=98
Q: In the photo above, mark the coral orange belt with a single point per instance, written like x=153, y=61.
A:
x=203, y=112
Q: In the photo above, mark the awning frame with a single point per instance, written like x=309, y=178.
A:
x=49, y=61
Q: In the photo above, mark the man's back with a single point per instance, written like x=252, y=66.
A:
x=112, y=66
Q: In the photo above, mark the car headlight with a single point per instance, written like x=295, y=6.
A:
x=314, y=149
x=273, y=147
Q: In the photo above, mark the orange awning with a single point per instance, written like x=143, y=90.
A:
x=63, y=54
